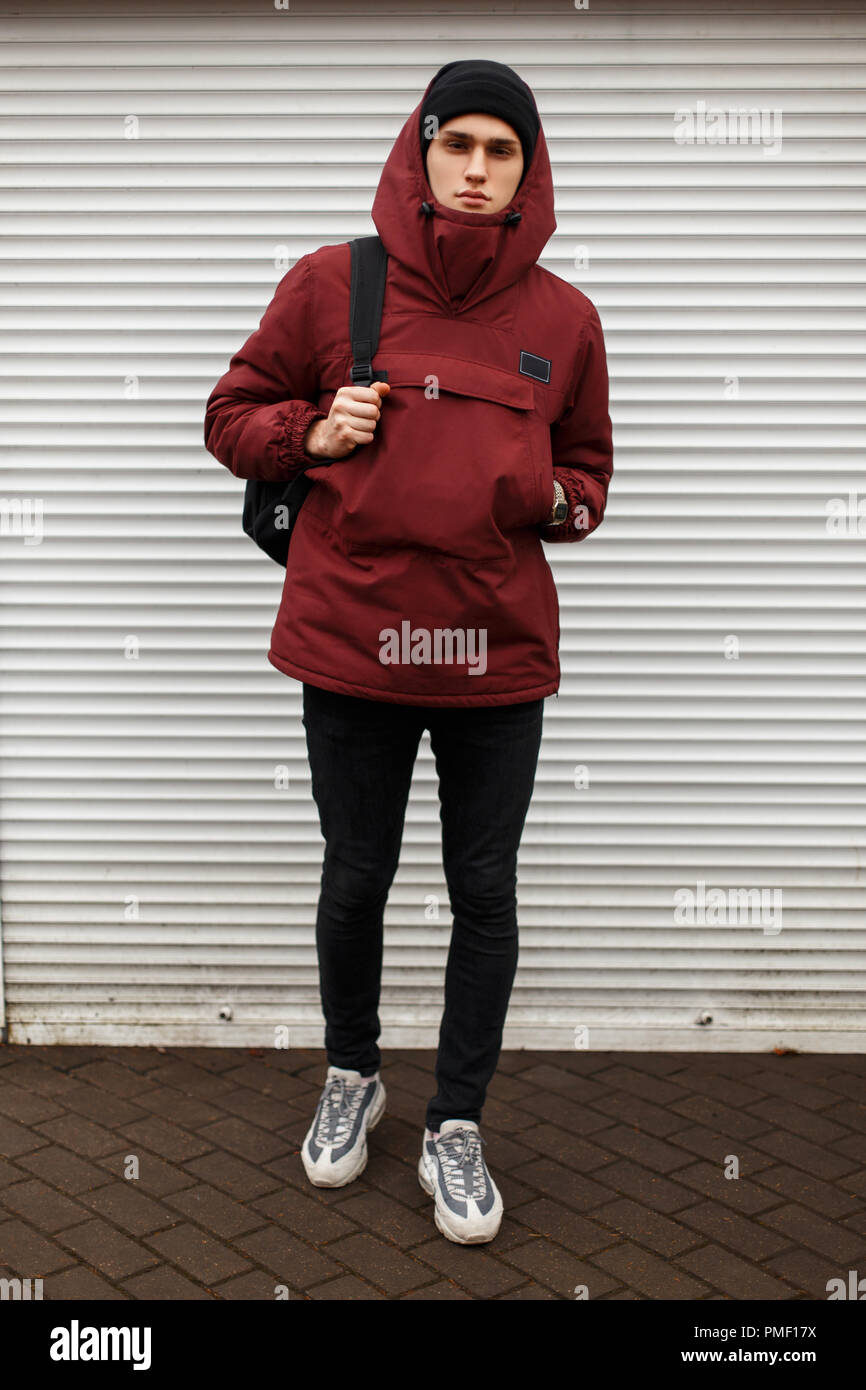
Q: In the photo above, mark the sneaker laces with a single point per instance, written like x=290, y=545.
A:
x=462, y=1162
x=338, y=1108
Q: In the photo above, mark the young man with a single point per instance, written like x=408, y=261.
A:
x=417, y=592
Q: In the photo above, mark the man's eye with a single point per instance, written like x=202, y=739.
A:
x=459, y=145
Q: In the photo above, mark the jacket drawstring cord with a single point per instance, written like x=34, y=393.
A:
x=512, y=218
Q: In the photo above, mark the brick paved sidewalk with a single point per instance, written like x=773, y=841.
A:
x=611, y=1167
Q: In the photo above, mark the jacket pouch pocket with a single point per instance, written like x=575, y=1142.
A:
x=461, y=458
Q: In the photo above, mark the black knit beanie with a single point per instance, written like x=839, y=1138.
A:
x=478, y=84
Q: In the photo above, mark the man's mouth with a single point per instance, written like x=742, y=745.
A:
x=473, y=197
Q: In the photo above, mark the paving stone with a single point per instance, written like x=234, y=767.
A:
x=27, y=1107
x=255, y=1285
x=291, y=1260
x=710, y=1144
x=99, y=1245
x=553, y=1267
x=347, y=1288
x=807, y=1272
x=528, y=1293
x=79, y=1134
x=294, y=1126
x=267, y=1080
x=706, y=1110
x=501, y=1118
x=555, y=1180
x=58, y=1058
x=156, y=1178
x=137, y=1059
x=629, y=1110
x=853, y=1147
x=124, y=1205
x=244, y=1139
x=644, y=1148
x=741, y=1280
x=817, y=1161
x=9, y=1174
x=442, y=1292
x=637, y=1222
x=41, y=1206
x=383, y=1265
x=197, y=1254
x=549, y=1076
x=631, y=1180
x=471, y=1267
x=401, y=1106
x=785, y=1115
x=807, y=1228
x=565, y=1114
x=400, y=1180
x=110, y=1076
x=17, y=1139
x=797, y=1186
x=189, y=1080
x=847, y=1113
x=409, y=1076
x=794, y=1087
x=32, y=1075
x=512, y=1190
x=503, y=1152
x=232, y=1175
x=264, y=1111
x=305, y=1216
x=509, y=1089
x=28, y=1254
x=738, y=1193
x=397, y=1138
x=79, y=1284
x=658, y=1089
x=577, y=1233
x=102, y=1107
x=178, y=1108
x=218, y=1213
x=166, y=1284
x=386, y=1218
x=563, y=1147
x=651, y=1276
x=741, y=1234
x=57, y=1167
x=215, y=1059
x=164, y=1138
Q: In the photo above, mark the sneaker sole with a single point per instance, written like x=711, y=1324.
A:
x=441, y=1226
x=376, y=1113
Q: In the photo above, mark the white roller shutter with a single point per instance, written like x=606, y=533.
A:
x=157, y=884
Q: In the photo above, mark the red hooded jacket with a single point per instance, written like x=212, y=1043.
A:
x=416, y=570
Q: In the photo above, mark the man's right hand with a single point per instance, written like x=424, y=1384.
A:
x=351, y=421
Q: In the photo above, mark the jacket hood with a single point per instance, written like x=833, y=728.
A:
x=463, y=256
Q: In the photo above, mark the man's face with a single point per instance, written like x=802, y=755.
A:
x=477, y=154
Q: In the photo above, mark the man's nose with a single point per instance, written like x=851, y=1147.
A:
x=477, y=166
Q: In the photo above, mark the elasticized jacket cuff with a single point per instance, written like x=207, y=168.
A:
x=295, y=423
x=572, y=486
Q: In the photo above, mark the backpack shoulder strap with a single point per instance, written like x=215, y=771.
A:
x=369, y=268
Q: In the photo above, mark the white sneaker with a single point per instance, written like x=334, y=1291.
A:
x=451, y=1169
x=334, y=1151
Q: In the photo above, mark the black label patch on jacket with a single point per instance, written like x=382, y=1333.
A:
x=537, y=367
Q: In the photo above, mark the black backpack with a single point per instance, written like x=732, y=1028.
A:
x=263, y=517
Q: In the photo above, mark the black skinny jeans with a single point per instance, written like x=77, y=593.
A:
x=361, y=755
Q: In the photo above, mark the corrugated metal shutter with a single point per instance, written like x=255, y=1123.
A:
x=154, y=877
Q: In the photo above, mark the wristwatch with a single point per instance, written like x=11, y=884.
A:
x=559, y=510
